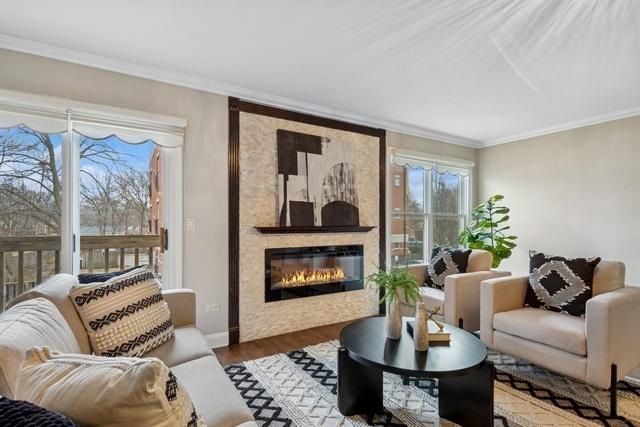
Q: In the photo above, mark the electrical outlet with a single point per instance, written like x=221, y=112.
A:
x=212, y=307
x=191, y=224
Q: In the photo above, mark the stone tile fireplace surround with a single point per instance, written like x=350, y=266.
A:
x=257, y=179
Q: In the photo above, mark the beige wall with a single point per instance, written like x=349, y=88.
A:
x=205, y=156
x=574, y=193
x=415, y=143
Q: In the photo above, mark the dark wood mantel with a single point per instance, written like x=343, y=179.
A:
x=314, y=229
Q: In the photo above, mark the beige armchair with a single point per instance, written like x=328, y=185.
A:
x=460, y=300
x=600, y=349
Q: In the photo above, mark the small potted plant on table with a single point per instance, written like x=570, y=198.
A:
x=395, y=282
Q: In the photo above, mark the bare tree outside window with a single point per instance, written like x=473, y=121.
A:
x=114, y=189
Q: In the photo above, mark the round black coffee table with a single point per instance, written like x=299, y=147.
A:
x=465, y=386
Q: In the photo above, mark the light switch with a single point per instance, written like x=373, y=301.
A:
x=191, y=224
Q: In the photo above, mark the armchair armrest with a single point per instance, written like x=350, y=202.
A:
x=462, y=297
x=612, y=328
x=496, y=296
x=182, y=304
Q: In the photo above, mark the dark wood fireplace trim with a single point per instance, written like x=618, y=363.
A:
x=235, y=107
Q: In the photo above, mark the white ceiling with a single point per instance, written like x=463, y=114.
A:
x=469, y=72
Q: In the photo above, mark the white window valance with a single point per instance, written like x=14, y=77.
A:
x=442, y=164
x=54, y=115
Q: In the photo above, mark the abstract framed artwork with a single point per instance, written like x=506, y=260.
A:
x=316, y=181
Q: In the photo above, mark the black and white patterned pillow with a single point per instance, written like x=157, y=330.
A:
x=560, y=284
x=444, y=262
x=124, y=316
x=86, y=278
x=26, y=414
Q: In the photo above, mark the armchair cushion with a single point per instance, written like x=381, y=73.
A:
x=546, y=327
x=560, y=284
x=431, y=297
x=445, y=262
x=479, y=260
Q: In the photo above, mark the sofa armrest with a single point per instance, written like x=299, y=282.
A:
x=182, y=304
x=462, y=297
x=496, y=296
x=612, y=328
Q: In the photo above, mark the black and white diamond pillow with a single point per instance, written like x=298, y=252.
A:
x=445, y=262
x=560, y=284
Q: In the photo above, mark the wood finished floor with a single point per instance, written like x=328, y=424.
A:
x=278, y=344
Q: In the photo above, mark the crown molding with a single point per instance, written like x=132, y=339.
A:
x=217, y=87
x=588, y=121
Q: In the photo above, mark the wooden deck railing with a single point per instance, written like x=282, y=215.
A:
x=47, y=251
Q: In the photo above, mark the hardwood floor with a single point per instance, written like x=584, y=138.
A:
x=278, y=344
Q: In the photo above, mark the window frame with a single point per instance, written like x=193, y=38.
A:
x=465, y=198
x=52, y=115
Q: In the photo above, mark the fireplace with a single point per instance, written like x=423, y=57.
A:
x=309, y=271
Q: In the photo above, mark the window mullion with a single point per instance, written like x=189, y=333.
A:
x=70, y=212
x=428, y=228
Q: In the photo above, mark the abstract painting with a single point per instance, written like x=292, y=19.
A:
x=316, y=181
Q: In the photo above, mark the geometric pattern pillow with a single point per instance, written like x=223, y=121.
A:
x=114, y=391
x=124, y=316
x=444, y=262
x=560, y=284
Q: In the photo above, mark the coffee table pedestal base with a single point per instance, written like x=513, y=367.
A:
x=359, y=387
x=468, y=399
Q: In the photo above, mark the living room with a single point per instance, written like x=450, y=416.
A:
x=340, y=213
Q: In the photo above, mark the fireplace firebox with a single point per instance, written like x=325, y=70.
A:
x=309, y=271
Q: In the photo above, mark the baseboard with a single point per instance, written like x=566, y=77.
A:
x=221, y=339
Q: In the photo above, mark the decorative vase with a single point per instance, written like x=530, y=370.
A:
x=421, y=328
x=394, y=318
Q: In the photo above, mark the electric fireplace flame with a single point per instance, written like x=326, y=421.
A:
x=306, y=277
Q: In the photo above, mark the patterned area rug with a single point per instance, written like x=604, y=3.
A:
x=299, y=389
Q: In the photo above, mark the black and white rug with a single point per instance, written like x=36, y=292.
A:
x=299, y=389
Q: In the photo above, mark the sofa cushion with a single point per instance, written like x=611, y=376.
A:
x=432, y=297
x=212, y=392
x=546, y=327
x=124, y=316
x=35, y=322
x=56, y=289
x=187, y=344
x=560, y=284
x=444, y=262
x=106, y=391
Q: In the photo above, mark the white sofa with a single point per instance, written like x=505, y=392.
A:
x=55, y=324
x=600, y=349
x=460, y=300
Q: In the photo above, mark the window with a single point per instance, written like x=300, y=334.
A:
x=429, y=202
x=76, y=184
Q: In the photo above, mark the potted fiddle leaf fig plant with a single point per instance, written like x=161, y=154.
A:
x=395, y=282
x=489, y=230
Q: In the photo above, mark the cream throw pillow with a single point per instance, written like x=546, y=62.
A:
x=124, y=316
x=105, y=391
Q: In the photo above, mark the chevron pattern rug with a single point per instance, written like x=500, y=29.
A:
x=299, y=389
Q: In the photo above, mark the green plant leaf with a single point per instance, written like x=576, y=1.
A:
x=486, y=230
